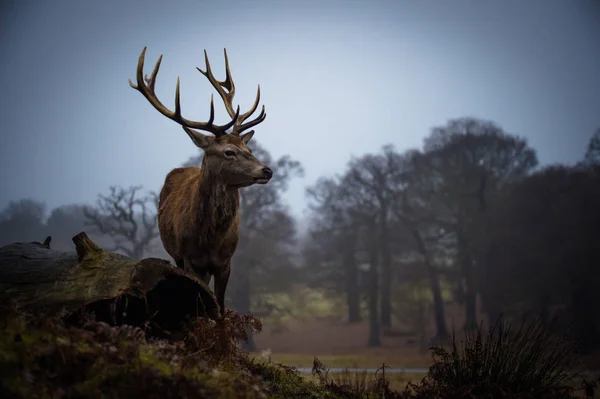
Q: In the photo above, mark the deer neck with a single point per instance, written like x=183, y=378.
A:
x=219, y=202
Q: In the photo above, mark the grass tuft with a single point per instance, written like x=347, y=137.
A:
x=530, y=362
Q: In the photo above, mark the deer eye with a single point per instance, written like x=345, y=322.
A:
x=229, y=153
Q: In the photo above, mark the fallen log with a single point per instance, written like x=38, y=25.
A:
x=117, y=289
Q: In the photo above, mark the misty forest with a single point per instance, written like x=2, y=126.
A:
x=412, y=244
x=461, y=268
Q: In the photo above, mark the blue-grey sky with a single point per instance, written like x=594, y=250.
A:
x=338, y=78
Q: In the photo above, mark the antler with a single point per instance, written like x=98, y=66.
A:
x=227, y=97
x=147, y=90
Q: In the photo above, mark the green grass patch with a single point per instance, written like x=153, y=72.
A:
x=363, y=360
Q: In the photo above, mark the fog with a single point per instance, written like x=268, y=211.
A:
x=435, y=163
x=337, y=78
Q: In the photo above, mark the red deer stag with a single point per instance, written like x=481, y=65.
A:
x=198, y=211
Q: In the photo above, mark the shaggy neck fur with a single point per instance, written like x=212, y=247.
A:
x=219, y=203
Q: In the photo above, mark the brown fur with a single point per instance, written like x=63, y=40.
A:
x=198, y=215
x=198, y=210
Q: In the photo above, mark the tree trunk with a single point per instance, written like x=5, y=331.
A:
x=117, y=289
x=467, y=267
x=352, y=286
x=386, y=270
x=434, y=282
x=374, y=328
x=491, y=303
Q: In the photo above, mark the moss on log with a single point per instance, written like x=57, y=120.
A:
x=119, y=290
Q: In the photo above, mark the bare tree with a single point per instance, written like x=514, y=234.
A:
x=414, y=210
x=128, y=218
x=370, y=178
x=332, y=227
x=364, y=215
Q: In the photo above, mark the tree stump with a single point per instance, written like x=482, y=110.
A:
x=117, y=289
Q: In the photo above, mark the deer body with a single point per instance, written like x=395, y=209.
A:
x=198, y=211
x=207, y=226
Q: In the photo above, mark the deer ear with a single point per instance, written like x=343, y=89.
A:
x=246, y=137
x=201, y=140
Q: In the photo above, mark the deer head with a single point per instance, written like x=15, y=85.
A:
x=225, y=154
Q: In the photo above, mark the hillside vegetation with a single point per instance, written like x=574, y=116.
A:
x=43, y=357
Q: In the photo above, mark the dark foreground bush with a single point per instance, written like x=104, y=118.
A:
x=528, y=363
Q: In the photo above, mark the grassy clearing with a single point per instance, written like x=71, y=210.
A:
x=362, y=360
x=363, y=380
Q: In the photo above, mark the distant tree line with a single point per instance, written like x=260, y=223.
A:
x=470, y=211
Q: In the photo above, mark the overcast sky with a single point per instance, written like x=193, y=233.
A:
x=338, y=78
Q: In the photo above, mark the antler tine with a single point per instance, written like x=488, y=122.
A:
x=228, y=96
x=155, y=72
x=261, y=117
x=147, y=90
x=177, y=101
x=228, y=83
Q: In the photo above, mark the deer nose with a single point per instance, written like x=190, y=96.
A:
x=268, y=173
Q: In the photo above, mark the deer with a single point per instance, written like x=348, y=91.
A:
x=199, y=207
